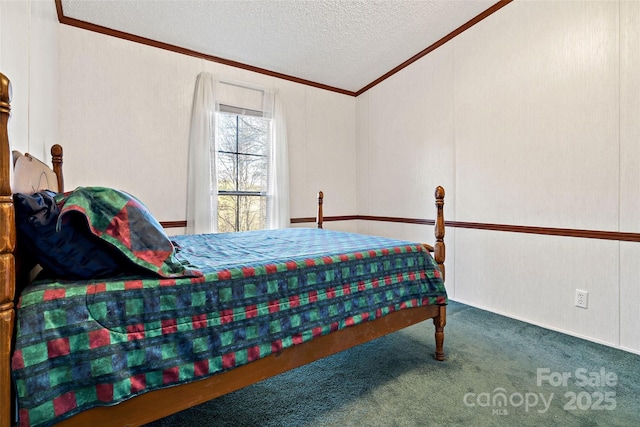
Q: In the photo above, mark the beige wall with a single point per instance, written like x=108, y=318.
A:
x=124, y=122
x=534, y=112
x=29, y=58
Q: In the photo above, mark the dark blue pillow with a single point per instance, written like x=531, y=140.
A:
x=71, y=252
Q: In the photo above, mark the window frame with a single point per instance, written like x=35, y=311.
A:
x=237, y=111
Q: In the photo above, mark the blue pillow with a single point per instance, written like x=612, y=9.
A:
x=72, y=252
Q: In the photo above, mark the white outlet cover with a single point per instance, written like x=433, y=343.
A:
x=582, y=298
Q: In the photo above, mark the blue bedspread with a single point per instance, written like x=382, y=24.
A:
x=86, y=344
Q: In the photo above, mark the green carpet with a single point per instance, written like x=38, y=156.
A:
x=498, y=372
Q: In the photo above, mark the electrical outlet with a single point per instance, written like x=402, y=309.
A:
x=582, y=298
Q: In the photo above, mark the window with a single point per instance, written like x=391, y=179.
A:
x=238, y=168
x=242, y=169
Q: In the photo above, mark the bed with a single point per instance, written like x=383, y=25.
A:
x=224, y=312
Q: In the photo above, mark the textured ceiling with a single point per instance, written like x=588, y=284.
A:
x=344, y=44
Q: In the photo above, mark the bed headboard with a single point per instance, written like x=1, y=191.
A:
x=7, y=260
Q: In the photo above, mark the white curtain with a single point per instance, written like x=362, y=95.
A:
x=278, y=187
x=202, y=185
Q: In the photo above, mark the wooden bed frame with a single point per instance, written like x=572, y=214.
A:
x=161, y=403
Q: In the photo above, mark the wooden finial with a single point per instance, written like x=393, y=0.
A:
x=6, y=162
x=56, y=160
x=5, y=94
x=320, y=219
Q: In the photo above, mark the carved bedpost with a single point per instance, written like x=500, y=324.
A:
x=7, y=260
x=441, y=319
x=56, y=160
x=320, y=219
x=440, y=253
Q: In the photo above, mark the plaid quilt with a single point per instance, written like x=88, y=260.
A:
x=86, y=344
x=124, y=222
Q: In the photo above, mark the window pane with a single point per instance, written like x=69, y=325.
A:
x=241, y=213
x=227, y=172
x=227, y=132
x=252, y=135
x=227, y=209
x=252, y=173
x=252, y=212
